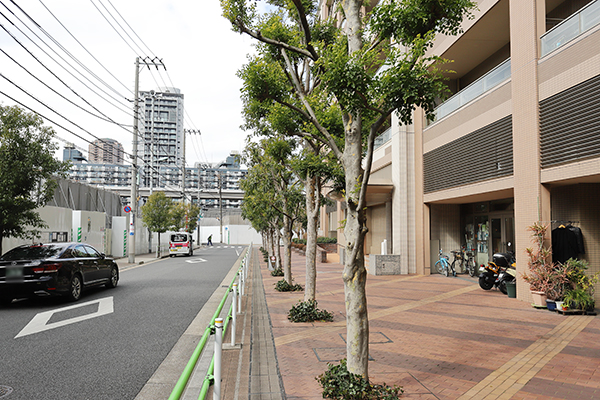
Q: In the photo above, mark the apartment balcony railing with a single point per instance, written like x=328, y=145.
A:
x=482, y=85
x=578, y=23
x=381, y=139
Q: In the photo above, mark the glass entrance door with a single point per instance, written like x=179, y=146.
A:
x=502, y=234
x=482, y=237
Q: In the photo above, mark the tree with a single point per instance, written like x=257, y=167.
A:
x=270, y=185
x=157, y=215
x=185, y=216
x=28, y=172
x=303, y=62
x=315, y=169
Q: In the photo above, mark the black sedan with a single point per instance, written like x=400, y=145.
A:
x=54, y=269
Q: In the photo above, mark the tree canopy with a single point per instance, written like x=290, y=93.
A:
x=337, y=80
x=28, y=172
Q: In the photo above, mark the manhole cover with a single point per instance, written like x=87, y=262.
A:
x=5, y=391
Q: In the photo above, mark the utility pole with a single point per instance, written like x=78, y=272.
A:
x=134, y=166
x=147, y=61
x=220, y=206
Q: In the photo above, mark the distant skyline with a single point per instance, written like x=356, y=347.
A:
x=200, y=52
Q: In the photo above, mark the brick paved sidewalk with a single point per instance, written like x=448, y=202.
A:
x=440, y=338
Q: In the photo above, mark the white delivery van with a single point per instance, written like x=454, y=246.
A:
x=181, y=243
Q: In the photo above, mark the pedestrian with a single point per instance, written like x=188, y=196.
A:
x=209, y=241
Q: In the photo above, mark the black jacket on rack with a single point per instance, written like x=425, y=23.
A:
x=567, y=242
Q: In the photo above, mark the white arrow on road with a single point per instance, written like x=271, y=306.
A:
x=39, y=323
x=196, y=260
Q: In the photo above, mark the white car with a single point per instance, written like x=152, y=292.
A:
x=181, y=243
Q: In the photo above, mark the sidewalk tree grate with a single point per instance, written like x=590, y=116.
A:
x=332, y=354
x=374, y=338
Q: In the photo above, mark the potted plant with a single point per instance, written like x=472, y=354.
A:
x=579, y=294
x=541, y=269
x=579, y=299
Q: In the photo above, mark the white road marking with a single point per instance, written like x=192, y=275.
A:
x=196, y=260
x=39, y=323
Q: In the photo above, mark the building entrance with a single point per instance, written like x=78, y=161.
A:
x=502, y=234
x=488, y=228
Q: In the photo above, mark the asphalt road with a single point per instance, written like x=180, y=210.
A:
x=111, y=343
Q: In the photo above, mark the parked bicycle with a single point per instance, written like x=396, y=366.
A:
x=470, y=263
x=465, y=260
x=458, y=262
x=443, y=265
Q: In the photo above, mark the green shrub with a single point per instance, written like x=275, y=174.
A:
x=277, y=272
x=283, y=286
x=340, y=384
x=307, y=311
x=325, y=239
x=320, y=239
x=579, y=299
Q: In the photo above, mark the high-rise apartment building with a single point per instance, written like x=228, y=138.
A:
x=105, y=151
x=516, y=143
x=70, y=153
x=161, y=141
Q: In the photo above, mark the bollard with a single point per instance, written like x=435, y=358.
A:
x=218, y=349
x=233, y=314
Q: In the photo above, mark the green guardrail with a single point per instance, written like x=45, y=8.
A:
x=208, y=379
x=189, y=368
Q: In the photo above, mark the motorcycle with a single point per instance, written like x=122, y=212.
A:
x=498, y=271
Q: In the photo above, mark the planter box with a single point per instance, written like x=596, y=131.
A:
x=539, y=299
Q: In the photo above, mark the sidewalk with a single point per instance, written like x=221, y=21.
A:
x=438, y=337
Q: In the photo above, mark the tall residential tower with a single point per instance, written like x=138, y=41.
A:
x=161, y=142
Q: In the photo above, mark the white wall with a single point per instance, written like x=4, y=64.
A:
x=120, y=225
x=90, y=227
x=58, y=219
x=232, y=234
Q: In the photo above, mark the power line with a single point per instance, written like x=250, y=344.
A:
x=73, y=36
x=62, y=58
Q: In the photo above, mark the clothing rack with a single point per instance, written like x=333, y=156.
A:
x=563, y=222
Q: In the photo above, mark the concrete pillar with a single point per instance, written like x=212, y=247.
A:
x=532, y=201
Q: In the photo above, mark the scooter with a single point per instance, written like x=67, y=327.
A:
x=498, y=271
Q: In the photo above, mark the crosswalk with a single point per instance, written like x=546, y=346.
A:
x=225, y=247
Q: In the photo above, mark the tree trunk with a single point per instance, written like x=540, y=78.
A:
x=355, y=275
x=287, y=249
x=277, y=248
x=312, y=214
x=158, y=246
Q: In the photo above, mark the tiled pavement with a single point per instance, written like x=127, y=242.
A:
x=438, y=337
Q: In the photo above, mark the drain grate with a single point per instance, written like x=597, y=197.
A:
x=5, y=391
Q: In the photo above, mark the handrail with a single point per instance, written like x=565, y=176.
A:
x=570, y=28
x=208, y=379
x=189, y=368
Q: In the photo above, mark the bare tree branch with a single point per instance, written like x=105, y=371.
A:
x=362, y=198
x=305, y=28
x=311, y=114
x=282, y=45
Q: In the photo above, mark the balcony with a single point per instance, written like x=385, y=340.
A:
x=481, y=86
x=383, y=138
x=572, y=27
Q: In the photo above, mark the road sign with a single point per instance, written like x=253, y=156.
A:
x=127, y=209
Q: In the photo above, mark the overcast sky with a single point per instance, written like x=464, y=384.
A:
x=196, y=44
